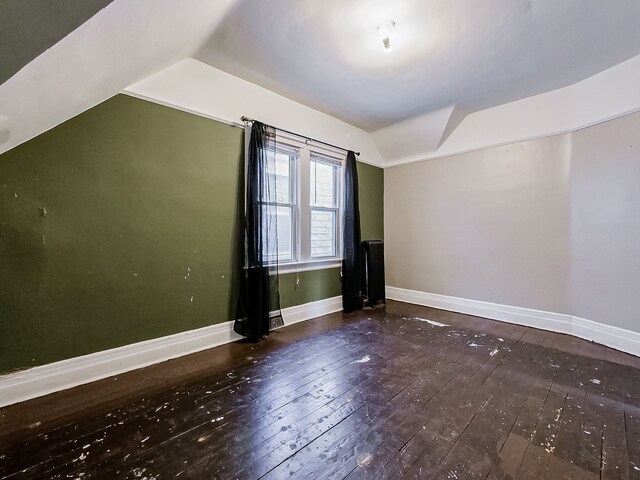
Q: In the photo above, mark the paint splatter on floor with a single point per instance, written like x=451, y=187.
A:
x=431, y=322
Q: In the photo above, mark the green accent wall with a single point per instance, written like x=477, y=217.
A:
x=119, y=225
x=304, y=287
x=371, y=197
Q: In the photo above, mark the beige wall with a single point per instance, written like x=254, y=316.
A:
x=490, y=225
x=605, y=213
x=550, y=224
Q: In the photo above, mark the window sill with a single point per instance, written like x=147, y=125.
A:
x=308, y=266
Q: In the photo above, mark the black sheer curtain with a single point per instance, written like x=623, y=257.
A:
x=259, y=295
x=351, y=279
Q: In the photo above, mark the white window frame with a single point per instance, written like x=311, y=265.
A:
x=337, y=165
x=301, y=221
x=293, y=202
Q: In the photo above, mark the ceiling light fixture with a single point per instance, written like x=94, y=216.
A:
x=385, y=33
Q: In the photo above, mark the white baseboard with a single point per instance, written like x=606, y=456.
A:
x=618, y=338
x=556, y=322
x=35, y=382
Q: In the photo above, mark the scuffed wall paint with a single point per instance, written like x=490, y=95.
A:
x=134, y=194
x=118, y=226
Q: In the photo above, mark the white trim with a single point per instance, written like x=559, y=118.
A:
x=556, y=322
x=38, y=381
x=615, y=337
x=234, y=123
x=409, y=159
x=300, y=313
x=175, y=106
x=294, y=267
x=425, y=157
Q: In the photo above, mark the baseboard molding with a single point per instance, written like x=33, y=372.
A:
x=619, y=338
x=54, y=377
x=624, y=340
x=555, y=322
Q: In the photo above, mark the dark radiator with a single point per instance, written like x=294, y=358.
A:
x=373, y=272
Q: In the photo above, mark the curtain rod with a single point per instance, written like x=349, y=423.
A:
x=247, y=119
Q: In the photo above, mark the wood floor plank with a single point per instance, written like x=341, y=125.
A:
x=384, y=393
x=207, y=406
x=53, y=443
x=407, y=456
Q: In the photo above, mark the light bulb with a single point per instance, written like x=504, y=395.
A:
x=385, y=34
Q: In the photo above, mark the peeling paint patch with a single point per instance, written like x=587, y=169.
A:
x=364, y=460
x=138, y=472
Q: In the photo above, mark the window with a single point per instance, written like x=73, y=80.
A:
x=306, y=208
x=324, y=207
x=280, y=204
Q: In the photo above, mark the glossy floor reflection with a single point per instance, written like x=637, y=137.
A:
x=397, y=392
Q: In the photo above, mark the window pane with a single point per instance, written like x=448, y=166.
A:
x=323, y=233
x=323, y=188
x=279, y=177
x=278, y=220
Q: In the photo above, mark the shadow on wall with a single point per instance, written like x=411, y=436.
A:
x=238, y=242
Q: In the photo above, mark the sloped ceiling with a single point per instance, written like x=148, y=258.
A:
x=29, y=27
x=450, y=60
x=123, y=43
x=469, y=53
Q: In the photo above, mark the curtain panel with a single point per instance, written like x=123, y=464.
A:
x=351, y=263
x=259, y=304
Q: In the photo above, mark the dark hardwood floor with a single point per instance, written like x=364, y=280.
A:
x=379, y=394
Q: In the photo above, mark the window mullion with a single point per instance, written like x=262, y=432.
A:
x=325, y=209
x=339, y=204
x=304, y=202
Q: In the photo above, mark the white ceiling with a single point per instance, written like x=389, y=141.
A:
x=466, y=53
x=123, y=43
x=452, y=61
